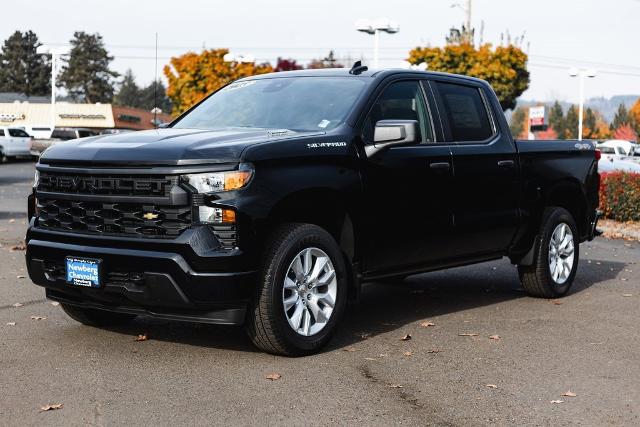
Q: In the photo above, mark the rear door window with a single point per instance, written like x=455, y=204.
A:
x=1, y=132
x=465, y=112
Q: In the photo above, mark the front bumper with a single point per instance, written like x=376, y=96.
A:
x=188, y=278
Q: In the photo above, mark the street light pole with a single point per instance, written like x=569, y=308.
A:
x=581, y=74
x=374, y=28
x=55, y=53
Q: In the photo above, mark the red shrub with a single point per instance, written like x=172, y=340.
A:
x=620, y=196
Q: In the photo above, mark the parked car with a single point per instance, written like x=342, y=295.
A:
x=270, y=202
x=65, y=134
x=14, y=143
x=621, y=147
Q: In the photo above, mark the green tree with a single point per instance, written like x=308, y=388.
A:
x=149, y=94
x=129, y=93
x=22, y=70
x=505, y=67
x=622, y=118
x=86, y=74
x=517, y=123
x=571, y=123
x=557, y=120
x=589, y=124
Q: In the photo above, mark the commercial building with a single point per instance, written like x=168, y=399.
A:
x=97, y=117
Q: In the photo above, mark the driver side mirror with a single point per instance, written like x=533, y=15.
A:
x=389, y=133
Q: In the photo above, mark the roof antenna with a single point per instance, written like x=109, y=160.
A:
x=358, y=68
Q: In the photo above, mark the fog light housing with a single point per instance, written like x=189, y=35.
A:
x=216, y=215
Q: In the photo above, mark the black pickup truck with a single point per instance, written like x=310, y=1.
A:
x=273, y=199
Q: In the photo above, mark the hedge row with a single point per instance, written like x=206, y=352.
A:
x=620, y=196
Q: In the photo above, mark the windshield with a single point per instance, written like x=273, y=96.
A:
x=295, y=103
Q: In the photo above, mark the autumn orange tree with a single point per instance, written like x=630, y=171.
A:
x=193, y=76
x=634, y=112
x=505, y=67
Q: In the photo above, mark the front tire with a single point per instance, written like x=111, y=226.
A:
x=301, y=294
x=96, y=318
x=556, y=256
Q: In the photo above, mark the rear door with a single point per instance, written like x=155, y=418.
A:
x=407, y=214
x=485, y=194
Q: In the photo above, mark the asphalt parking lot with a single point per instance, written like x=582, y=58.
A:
x=491, y=356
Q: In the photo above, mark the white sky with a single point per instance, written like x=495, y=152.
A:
x=560, y=33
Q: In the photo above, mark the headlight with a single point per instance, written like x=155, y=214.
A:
x=36, y=178
x=216, y=182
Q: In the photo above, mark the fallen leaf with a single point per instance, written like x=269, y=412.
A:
x=468, y=335
x=624, y=279
x=491, y=386
x=406, y=337
x=11, y=221
x=555, y=302
x=427, y=324
x=350, y=349
x=55, y=303
x=395, y=386
x=494, y=337
x=38, y=318
x=557, y=401
x=17, y=248
x=435, y=350
x=383, y=355
x=369, y=358
x=273, y=377
x=363, y=335
x=52, y=407
x=408, y=353
x=11, y=323
x=142, y=337
x=18, y=304
x=20, y=277
x=569, y=394
x=627, y=295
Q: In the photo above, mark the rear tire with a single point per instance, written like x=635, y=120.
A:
x=97, y=318
x=295, y=312
x=556, y=256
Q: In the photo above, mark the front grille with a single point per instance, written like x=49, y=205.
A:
x=107, y=185
x=133, y=219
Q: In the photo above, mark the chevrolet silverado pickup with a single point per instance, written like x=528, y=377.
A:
x=271, y=201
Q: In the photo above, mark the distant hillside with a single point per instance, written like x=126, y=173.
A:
x=606, y=106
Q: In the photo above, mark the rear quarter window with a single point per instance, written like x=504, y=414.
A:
x=465, y=112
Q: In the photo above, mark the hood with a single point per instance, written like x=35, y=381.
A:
x=164, y=147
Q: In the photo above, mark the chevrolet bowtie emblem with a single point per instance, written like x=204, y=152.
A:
x=150, y=215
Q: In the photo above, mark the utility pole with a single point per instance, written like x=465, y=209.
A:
x=468, y=11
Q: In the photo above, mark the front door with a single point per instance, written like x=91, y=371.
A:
x=407, y=213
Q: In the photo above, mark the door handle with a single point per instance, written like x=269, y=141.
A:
x=506, y=164
x=440, y=165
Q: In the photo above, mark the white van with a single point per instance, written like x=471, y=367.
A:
x=14, y=143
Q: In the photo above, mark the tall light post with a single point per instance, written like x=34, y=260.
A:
x=581, y=74
x=374, y=27
x=55, y=53
x=467, y=11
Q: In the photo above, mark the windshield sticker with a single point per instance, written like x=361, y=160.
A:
x=239, y=85
x=323, y=124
